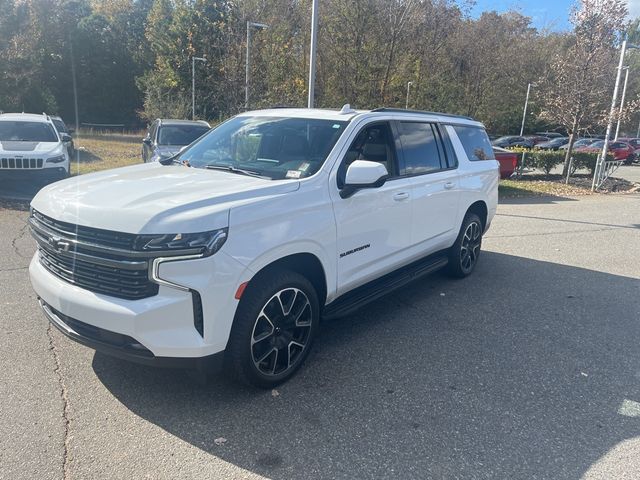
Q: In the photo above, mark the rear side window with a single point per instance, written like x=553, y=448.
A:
x=475, y=142
x=421, y=148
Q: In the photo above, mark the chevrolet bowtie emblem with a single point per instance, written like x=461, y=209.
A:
x=59, y=244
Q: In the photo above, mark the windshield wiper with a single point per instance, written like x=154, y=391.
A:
x=240, y=171
x=172, y=160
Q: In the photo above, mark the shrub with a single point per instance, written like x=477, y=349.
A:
x=586, y=160
x=546, y=160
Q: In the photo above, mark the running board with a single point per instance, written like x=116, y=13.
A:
x=353, y=300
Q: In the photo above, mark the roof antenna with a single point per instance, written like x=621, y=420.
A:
x=346, y=109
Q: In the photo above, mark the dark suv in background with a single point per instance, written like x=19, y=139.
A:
x=511, y=141
x=166, y=137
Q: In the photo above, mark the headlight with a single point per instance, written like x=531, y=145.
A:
x=205, y=243
x=57, y=159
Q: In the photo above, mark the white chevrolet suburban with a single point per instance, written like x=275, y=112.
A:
x=233, y=250
x=31, y=148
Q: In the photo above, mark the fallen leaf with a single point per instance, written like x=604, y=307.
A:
x=220, y=441
x=275, y=393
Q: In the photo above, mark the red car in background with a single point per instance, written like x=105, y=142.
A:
x=508, y=161
x=634, y=142
x=619, y=150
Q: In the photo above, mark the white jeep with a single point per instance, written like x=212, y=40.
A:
x=31, y=148
x=236, y=247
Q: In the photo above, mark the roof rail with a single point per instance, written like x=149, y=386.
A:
x=281, y=105
x=407, y=110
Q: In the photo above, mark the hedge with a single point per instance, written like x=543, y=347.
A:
x=547, y=160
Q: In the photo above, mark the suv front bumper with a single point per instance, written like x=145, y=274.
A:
x=122, y=346
x=157, y=330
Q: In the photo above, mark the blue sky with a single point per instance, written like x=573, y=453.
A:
x=551, y=14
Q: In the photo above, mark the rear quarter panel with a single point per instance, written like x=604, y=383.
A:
x=478, y=180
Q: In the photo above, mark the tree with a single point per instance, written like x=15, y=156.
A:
x=579, y=79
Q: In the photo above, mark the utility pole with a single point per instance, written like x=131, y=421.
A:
x=75, y=86
x=193, y=84
x=406, y=103
x=597, y=174
x=247, y=63
x=526, y=104
x=624, y=92
x=312, y=56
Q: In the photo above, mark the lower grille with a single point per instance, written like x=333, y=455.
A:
x=17, y=163
x=80, y=330
x=131, y=283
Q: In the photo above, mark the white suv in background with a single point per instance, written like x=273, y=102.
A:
x=236, y=248
x=32, y=148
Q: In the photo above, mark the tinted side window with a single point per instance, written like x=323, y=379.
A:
x=475, y=142
x=452, y=158
x=420, y=147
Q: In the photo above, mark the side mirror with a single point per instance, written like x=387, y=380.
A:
x=71, y=131
x=146, y=141
x=65, y=137
x=363, y=174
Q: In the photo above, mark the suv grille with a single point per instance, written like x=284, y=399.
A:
x=92, y=259
x=20, y=163
x=97, y=236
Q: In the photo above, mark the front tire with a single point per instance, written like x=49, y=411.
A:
x=273, y=329
x=464, y=254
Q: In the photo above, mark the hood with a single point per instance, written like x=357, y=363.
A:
x=12, y=146
x=154, y=198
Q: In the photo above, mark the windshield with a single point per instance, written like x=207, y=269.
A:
x=60, y=126
x=180, y=134
x=271, y=147
x=26, y=132
x=598, y=144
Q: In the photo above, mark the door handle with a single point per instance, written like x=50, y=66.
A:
x=398, y=197
x=449, y=185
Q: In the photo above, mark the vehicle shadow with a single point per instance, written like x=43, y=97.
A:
x=15, y=193
x=527, y=199
x=517, y=372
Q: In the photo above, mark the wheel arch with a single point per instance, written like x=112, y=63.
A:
x=306, y=264
x=479, y=208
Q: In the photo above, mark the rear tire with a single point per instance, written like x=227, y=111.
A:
x=273, y=328
x=464, y=254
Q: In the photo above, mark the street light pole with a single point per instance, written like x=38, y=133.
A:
x=624, y=92
x=247, y=64
x=193, y=84
x=312, y=53
x=406, y=103
x=75, y=86
x=526, y=104
x=597, y=174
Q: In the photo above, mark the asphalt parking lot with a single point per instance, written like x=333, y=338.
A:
x=528, y=369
